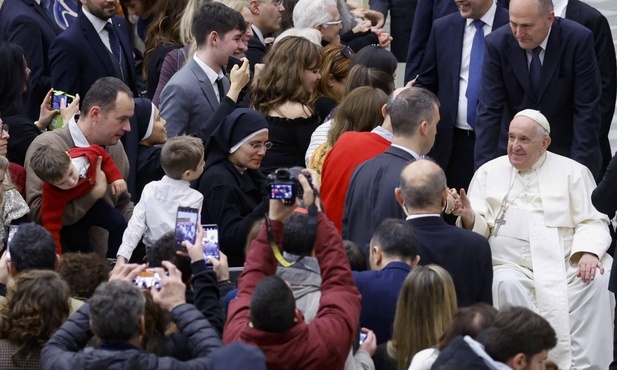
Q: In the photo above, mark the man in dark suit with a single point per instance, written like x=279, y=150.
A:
x=451, y=70
x=426, y=13
x=194, y=93
x=27, y=24
x=266, y=20
x=464, y=254
x=597, y=23
x=543, y=63
x=96, y=45
x=393, y=253
x=402, y=18
x=414, y=114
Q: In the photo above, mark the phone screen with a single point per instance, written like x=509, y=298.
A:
x=186, y=224
x=147, y=279
x=56, y=102
x=210, y=241
x=362, y=338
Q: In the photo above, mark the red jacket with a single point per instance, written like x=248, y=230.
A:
x=54, y=200
x=325, y=342
x=350, y=150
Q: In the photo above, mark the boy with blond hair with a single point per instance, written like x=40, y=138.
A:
x=182, y=159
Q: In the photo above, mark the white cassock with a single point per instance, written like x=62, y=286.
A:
x=549, y=221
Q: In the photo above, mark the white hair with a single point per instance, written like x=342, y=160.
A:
x=312, y=13
x=310, y=34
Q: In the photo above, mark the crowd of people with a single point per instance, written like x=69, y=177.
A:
x=149, y=149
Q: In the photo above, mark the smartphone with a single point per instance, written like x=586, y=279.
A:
x=56, y=102
x=186, y=224
x=210, y=241
x=362, y=338
x=231, y=62
x=147, y=279
x=9, y=238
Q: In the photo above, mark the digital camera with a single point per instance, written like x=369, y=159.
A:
x=283, y=183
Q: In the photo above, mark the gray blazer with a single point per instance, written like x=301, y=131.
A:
x=188, y=100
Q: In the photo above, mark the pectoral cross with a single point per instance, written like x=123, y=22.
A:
x=499, y=221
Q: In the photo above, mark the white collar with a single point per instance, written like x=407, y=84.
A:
x=212, y=75
x=379, y=130
x=79, y=139
x=414, y=154
x=259, y=34
x=487, y=18
x=559, y=7
x=97, y=22
x=411, y=217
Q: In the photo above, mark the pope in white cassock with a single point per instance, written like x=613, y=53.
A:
x=548, y=241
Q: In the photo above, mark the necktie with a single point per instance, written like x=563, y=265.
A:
x=475, y=72
x=114, y=42
x=535, y=68
x=219, y=85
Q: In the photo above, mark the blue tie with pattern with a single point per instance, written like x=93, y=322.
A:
x=114, y=42
x=535, y=68
x=475, y=72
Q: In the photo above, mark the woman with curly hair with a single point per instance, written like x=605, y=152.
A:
x=282, y=93
x=424, y=311
x=36, y=305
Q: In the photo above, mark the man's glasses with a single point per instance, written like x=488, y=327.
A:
x=5, y=127
x=333, y=23
x=258, y=146
x=346, y=52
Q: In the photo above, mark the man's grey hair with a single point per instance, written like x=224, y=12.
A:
x=116, y=309
x=409, y=108
x=423, y=190
x=312, y=13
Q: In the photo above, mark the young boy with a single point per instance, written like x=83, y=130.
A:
x=70, y=175
x=182, y=159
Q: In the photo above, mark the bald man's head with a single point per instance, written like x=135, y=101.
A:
x=423, y=186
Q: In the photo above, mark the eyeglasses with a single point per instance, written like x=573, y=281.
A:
x=333, y=23
x=5, y=127
x=258, y=146
x=346, y=52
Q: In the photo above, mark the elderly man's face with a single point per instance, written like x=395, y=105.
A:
x=112, y=124
x=330, y=30
x=529, y=26
x=525, y=143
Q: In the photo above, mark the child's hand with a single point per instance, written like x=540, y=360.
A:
x=100, y=187
x=118, y=187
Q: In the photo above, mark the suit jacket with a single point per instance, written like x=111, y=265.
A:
x=463, y=253
x=25, y=23
x=597, y=23
x=370, y=196
x=188, y=100
x=568, y=93
x=441, y=69
x=402, y=12
x=380, y=291
x=256, y=51
x=77, y=208
x=78, y=57
x=427, y=11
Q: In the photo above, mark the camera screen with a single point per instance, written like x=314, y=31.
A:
x=186, y=224
x=146, y=279
x=210, y=241
x=281, y=191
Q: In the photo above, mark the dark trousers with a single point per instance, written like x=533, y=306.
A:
x=460, y=167
x=74, y=238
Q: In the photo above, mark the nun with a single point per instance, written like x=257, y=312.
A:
x=232, y=184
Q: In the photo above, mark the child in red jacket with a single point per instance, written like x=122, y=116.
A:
x=67, y=176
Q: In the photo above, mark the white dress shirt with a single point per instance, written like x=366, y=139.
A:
x=99, y=27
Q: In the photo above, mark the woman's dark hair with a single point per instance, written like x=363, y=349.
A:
x=468, y=321
x=360, y=75
x=355, y=255
x=157, y=322
x=375, y=57
x=13, y=81
x=84, y=272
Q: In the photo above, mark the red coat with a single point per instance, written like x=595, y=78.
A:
x=55, y=200
x=350, y=150
x=325, y=342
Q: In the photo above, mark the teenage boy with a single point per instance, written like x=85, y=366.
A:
x=194, y=93
x=71, y=175
x=182, y=159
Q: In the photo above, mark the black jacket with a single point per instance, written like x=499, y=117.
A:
x=62, y=351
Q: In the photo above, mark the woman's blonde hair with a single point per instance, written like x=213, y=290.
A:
x=281, y=79
x=236, y=5
x=186, y=22
x=424, y=311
